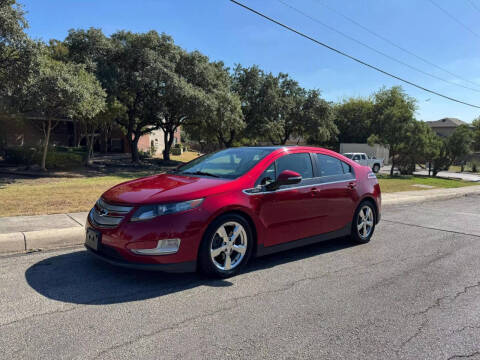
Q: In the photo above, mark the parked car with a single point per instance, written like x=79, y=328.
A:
x=363, y=159
x=218, y=211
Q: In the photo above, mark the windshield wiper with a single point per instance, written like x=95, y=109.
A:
x=200, y=173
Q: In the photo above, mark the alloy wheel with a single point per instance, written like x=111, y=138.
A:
x=365, y=221
x=229, y=245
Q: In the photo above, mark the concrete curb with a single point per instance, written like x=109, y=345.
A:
x=47, y=239
x=409, y=197
x=41, y=240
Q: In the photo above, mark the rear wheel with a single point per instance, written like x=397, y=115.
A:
x=226, y=246
x=363, y=224
x=376, y=168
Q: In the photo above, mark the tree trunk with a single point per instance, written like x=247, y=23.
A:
x=393, y=163
x=134, y=146
x=168, y=137
x=45, y=145
x=90, y=140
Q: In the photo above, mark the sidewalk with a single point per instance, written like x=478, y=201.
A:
x=442, y=174
x=41, y=232
x=19, y=234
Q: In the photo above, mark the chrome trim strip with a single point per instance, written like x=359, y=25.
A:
x=104, y=221
x=245, y=191
x=114, y=208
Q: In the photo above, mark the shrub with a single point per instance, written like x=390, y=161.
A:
x=176, y=151
x=19, y=155
x=474, y=165
x=62, y=160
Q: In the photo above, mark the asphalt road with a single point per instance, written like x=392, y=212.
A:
x=413, y=292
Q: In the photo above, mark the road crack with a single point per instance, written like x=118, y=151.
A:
x=464, y=356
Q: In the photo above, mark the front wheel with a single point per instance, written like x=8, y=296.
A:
x=226, y=246
x=363, y=224
x=376, y=168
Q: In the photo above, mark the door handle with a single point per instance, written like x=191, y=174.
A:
x=352, y=185
x=315, y=191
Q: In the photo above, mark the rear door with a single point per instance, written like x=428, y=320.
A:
x=337, y=195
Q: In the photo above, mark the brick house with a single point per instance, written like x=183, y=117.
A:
x=28, y=132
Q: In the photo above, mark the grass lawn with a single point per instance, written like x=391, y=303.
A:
x=56, y=195
x=186, y=156
x=406, y=183
x=60, y=195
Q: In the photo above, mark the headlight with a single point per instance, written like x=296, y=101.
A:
x=151, y=211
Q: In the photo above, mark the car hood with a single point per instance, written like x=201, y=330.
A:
x=164, y=188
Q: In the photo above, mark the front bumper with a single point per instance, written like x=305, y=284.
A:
x=109, y=255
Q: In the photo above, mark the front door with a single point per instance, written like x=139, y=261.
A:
x=287, y=213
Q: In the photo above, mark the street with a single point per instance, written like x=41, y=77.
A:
x=413, y=292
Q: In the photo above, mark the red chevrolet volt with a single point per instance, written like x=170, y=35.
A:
x=219, y=210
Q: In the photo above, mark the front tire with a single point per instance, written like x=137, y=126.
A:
x=363, y=224
x=376, y=168
x=226, y=246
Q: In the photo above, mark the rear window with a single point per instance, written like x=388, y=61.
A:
x=334, y=169
x=329, y=165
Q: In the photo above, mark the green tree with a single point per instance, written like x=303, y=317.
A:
x=142, y=68
x=61, y=90
x=421, y=145
x=318, y=120
x=459, y=144
x=18, y=53
x=259, y=97
x=353, y=118
x=393, y=112
x=90, y=109
x=476, y=134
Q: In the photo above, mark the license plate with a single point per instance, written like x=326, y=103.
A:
x=92, y=239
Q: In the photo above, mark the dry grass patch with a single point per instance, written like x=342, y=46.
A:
x=55, y=195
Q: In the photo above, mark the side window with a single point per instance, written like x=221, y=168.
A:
x=347, y=170
x=268, y=176
x=356, y=157
x=363, y=157
x=329, y=166
x=300, y=163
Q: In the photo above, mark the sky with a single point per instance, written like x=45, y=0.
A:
x=224, y=31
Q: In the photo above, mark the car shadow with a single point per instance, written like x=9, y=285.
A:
x=81, y=279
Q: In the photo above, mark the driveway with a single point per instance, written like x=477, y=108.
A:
x=413, y=292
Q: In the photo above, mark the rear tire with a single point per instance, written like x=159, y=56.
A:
x=226, y=246
x=363, y=224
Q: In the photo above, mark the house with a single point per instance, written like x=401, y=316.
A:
x=28, y=132
x=446, y=126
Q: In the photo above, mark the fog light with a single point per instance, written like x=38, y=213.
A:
x=164, y=247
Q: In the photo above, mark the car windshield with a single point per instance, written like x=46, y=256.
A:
x=229, y=163
x=348, y=155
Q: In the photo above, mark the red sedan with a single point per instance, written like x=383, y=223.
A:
x=216, y=212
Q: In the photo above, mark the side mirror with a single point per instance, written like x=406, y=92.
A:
x=286, y=177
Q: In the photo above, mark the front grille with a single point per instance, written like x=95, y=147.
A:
x=106, y=215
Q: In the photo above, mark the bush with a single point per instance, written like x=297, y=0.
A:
x=474, y=166
x=20, y=155
x=176, y=151
x=62, y=160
